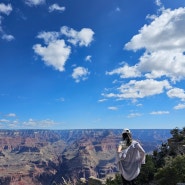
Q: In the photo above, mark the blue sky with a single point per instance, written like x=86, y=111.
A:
x=67, y=64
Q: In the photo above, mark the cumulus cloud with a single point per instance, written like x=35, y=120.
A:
x=140, y=89
x=56, y=7
x=83, y=38
x=88, y=58
x=34, y=2
x=179, y=106
x=158, y=2
x=7, y=37
x=48, y=36
x=80, y=73
x=176, y=93
x=165, y=32
x=4, y=121
x=126, y=71
x=5, y=9
x=55, y=54
x=161, y=65
x=164, y=42
x=13, y=124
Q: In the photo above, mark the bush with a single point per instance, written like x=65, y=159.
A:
x=117, y=180
x=147, y=171
x=173, y=172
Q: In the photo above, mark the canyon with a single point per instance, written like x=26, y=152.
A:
x=46, y=157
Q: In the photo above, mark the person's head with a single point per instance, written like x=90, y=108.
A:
x=127, y=136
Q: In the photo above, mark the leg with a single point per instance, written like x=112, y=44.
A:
x=133, y=182
x=125, y=182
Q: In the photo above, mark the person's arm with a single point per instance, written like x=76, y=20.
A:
x=142, y=153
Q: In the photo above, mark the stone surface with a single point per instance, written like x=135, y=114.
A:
x=95, y=181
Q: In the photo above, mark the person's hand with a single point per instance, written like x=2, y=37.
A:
x=119, y=148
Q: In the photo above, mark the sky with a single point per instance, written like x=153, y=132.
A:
x=67, y=64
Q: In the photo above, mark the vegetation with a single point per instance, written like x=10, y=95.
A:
x=117, y=180
x=173, y=172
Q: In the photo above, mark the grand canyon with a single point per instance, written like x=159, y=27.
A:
x=45, y=157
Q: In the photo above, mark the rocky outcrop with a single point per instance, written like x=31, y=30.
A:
x=95, y=181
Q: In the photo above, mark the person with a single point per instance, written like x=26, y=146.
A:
x=130, y=157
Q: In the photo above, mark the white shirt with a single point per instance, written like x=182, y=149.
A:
x=130, y=160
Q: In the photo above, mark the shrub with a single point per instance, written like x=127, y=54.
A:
x=173, y=172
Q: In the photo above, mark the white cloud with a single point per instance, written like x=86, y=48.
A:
x=48, y=36
x=4, y=121
x=39, y=123
x=176, y=93
x=102, y=100
x=166, y=32
x=88, y=58
x=164, y=42
x=112, y=108
x=11, y=115
x=80, y=73
x=139, y=105
x=34, y=2
x=84, y=37
x=5, y=9
x=7, y=37
x=163, y=63
x=159, y=112
x=13, y=124
x=56, y=7
x=54, y=54
x=132, y=115
x=158, y=3
x=140, y=89
x=126, y=71
x=179, y=106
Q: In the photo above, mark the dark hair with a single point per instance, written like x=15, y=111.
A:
x=127, y=137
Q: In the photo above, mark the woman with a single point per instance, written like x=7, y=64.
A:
x=130, y=157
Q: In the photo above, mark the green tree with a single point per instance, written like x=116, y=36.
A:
x=173, y=172
x=177, y=134
x=147, y=171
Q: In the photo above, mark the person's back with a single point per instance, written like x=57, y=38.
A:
x=130, y=157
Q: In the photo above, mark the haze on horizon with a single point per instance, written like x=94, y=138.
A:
x=92, y=64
